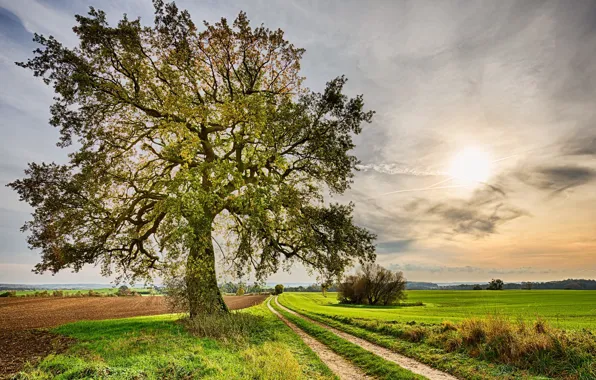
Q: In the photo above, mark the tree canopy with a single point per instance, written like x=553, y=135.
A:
x=178, y=135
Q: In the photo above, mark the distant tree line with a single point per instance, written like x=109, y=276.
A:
x=241, y=288
x=570, y=284
x=313, y=288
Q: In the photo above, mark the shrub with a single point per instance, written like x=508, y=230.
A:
x=58, y=293
x=279, y=289
x=10, y=293
x=373, y=285
x=123, y=291
x=240, y=291
x=495, y=284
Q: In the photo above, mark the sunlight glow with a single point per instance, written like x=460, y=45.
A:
x=470, y=166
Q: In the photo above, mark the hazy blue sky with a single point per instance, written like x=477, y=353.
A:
x=513, y=82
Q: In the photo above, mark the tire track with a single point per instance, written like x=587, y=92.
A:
x=403, y=361
x=338, y=365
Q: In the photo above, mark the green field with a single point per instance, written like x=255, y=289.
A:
x=160, y=347
x=570, y=309
x=475, y=334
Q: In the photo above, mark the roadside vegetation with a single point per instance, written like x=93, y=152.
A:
x=257, y=345
x=500, y=345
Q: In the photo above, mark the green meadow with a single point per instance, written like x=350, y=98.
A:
x=159, y=347
x=542, y=334
x=569, y=309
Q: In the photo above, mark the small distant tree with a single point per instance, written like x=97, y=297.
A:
x=279, y=289
x=240, y=291
x=528, y=285
x=327, y=278
x=495, y=284
x=477, y=287
x=123, y=291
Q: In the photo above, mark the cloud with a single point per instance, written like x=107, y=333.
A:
x=413, y=267
x=582, y=142
x=394, y=246
x=479, y=216
x=557, y=179
x=398, y=168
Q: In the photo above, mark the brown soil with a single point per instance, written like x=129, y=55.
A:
x=23, y=313
x=338, y=365
x=402, y=361
x=19, y=344
x=22, y=346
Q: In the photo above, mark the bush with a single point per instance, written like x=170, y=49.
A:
x=240, y=292
x=495, y=284
x=58, y=293
x=10, y=293
x=279, y=289
x=373, y=285
x=123, y=291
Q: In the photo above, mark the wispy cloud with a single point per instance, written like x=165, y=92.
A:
x=471, y=269
x=397, y=168
x=557, y=179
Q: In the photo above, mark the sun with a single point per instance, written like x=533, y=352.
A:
x=470, y=166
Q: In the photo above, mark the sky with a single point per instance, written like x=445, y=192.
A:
x=481, y=159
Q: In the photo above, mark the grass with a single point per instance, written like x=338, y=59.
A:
x=501, y=345
x=161, y=347
x=568, y=309
x=370, y=363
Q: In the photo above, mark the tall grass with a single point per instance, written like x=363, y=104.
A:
x=533, y=346
x=234, y=326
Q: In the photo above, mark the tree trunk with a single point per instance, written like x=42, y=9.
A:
x=201, y=280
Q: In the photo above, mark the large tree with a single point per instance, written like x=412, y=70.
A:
x=181, y=135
